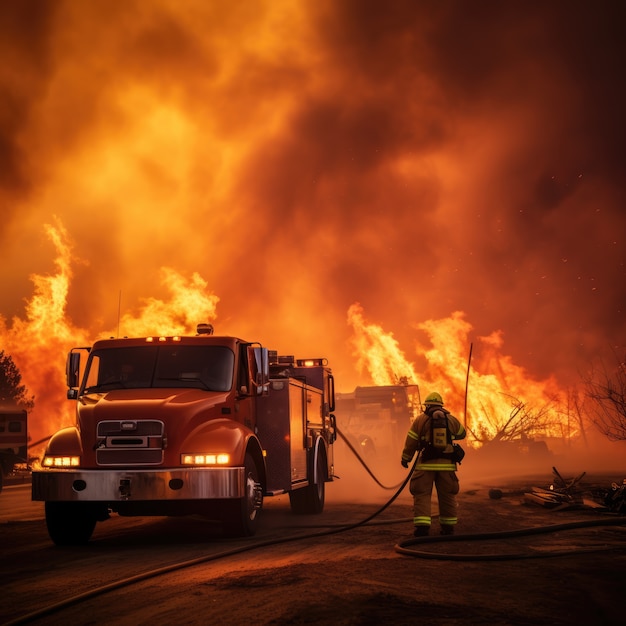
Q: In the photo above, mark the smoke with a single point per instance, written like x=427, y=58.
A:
x=419, y=158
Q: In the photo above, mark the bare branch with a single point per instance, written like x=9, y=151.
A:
x=606, y=390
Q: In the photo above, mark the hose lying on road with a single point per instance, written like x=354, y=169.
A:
x=402, y=547
x=125, y=582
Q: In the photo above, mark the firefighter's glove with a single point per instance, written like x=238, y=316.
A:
x=405, y=463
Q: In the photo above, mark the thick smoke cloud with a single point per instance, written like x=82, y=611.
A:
x=419, y=158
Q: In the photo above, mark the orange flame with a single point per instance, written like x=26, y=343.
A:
x=189, y=304
x=38, y=344
x=497, y=389
x=378, y=352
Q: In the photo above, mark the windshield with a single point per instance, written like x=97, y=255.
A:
x=199, y=367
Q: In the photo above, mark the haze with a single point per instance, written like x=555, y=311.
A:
x=423, y=161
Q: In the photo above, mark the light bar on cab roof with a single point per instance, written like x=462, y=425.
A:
x=311, y=362
x=162, y=339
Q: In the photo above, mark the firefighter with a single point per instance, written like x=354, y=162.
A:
x=431, y=436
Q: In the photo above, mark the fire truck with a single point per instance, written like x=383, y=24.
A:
x=204, y=425
x=13, y=439
x=375, y=419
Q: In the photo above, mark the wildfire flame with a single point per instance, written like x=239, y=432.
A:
x=39, y=343
x=497, y=389
x=377, y=352
x=306, y=156
x=190, y=302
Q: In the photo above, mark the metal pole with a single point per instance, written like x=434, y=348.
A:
x=119, y=312
x=469, y=360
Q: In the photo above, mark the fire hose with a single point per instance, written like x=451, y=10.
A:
x=401, y=548
x=404, y=546
x=362, y=462
x=405, y=549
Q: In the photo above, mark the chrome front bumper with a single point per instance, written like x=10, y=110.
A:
x=138, y=485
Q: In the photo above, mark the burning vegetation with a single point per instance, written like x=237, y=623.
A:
x=499, y=401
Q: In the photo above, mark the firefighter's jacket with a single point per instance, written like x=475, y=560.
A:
x=418, y=439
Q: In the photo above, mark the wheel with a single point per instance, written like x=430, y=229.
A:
x=310, y=499
x=240, y=517
x=70, y=523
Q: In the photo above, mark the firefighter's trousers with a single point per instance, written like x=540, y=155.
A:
x=421, y=486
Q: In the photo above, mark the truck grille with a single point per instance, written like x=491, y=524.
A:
x=130, y=442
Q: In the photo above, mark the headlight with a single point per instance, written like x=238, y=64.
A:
x=205, y=459
x=61, y=461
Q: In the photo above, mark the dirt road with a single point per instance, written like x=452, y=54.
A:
x=336, y=576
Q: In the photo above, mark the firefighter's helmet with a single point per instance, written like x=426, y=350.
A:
x=434, y=398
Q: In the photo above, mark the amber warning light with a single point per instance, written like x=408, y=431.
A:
x=311, y=362
x=162, y=339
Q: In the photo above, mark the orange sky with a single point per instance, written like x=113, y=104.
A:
x=295, y=158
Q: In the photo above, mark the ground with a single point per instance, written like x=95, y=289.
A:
x=342, y=572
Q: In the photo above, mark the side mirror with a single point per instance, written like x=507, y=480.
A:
x=72, y=370
x=331, y=392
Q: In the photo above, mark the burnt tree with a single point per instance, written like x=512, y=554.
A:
x=606, y=390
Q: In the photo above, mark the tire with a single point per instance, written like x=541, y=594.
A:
x=241, y=517
x=309, y=500
x=70, y=523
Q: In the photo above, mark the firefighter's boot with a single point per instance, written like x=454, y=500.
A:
x=421, y=531
x=447, y=529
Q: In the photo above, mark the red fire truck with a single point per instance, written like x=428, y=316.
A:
x=184, y=425
x=13, y=440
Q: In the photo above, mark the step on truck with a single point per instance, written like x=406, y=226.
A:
x=187, y=425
